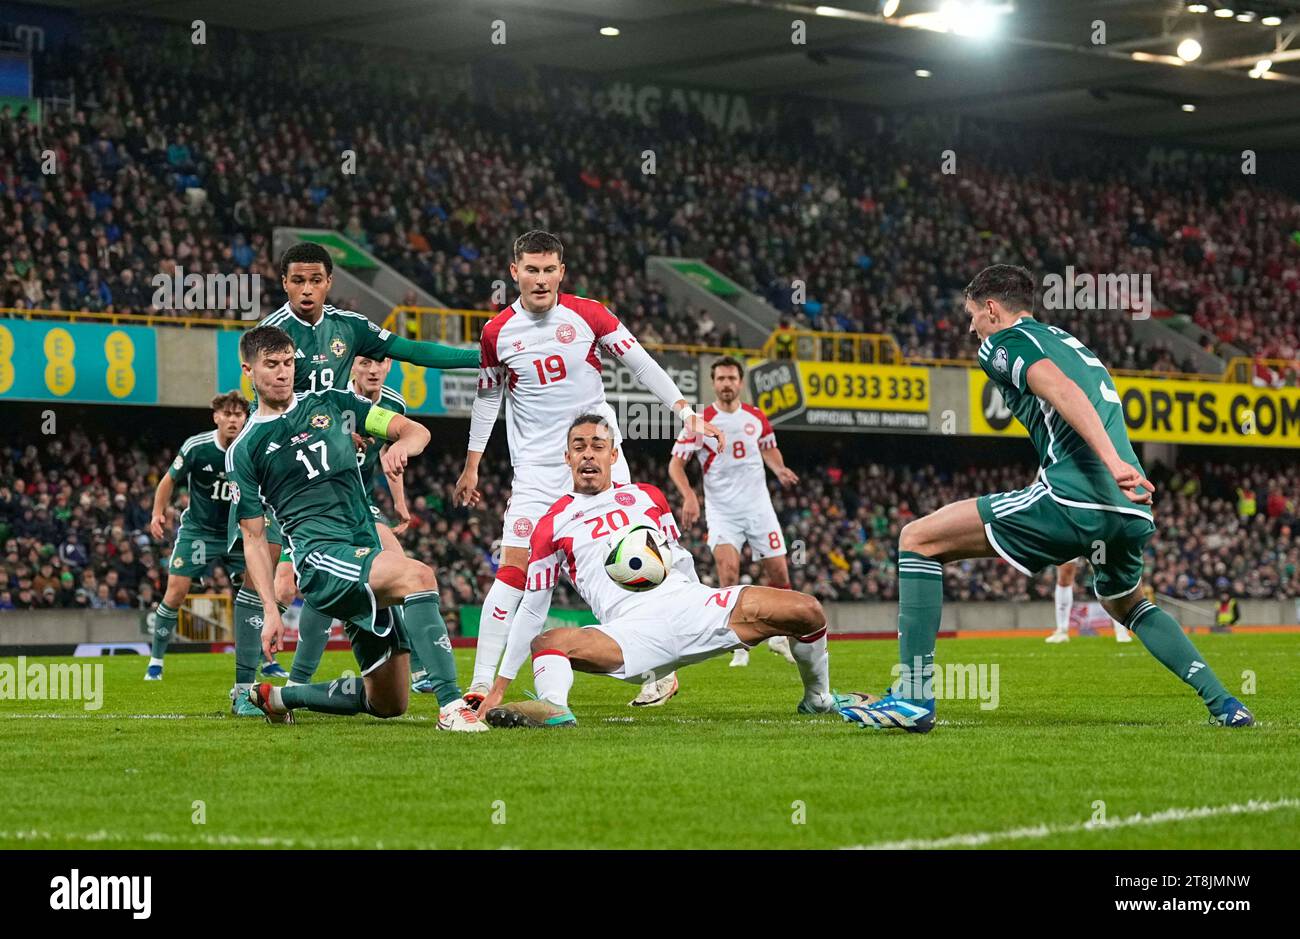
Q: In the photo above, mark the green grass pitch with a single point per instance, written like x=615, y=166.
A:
x=1085, y=731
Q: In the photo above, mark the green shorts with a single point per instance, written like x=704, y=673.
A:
x=196, y=551
x=334, y=577
x=379, y=517
x=1030, y=530
x=371, y=650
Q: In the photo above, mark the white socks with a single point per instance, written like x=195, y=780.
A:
x=553, y=677
x=499, y=608
x=813, y=663
x=1064, y=603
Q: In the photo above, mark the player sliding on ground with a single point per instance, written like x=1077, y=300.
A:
x=1091, y=498
x=737, y=505
x=640, y=635
x=543, y=352
x=297, y=455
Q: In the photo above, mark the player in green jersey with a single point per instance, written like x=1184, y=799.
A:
x=200, y=467
x=1091, y=498
x=439, y=676
x=327, y=338
x=297, y=456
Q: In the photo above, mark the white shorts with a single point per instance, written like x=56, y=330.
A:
x=672, y=630
x=535, y=489
x=760, y=529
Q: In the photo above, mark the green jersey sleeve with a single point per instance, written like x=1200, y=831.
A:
x=180, y=466
x=245, y=501
x=370, y=339
x=1007, y=355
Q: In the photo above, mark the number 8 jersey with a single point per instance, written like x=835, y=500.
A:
x=735, y=479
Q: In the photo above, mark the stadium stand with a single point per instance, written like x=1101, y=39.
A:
x=172, y=160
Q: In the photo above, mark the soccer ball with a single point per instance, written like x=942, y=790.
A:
x=639, y=559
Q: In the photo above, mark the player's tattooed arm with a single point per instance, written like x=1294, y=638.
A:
x=162, y=498
x=1052, y=385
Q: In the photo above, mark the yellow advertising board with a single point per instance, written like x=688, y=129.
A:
x=1170, y=411
x=841, y=396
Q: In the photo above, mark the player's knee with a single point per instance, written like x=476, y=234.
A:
x=909, y=539
x=421, y=577
x=810, y=615
x=386, y=707
x=553, y=639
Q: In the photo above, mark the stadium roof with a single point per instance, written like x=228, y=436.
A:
x=1041, y=66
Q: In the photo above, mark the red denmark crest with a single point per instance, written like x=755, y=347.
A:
x=523, y=527
x=625, y=498
x=565, y=333
x=751, y=429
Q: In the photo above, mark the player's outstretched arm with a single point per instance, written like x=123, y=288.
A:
x=162, y=498
x=257, y=557
x=690, y=502
x=432, y=354
x=1050, y=384
x=619, y=341
x=526, y=626
x=776, y=463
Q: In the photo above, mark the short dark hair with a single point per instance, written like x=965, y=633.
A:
x=726, y=362
x=537, y=242
x=1010, y=285
x=230, y=401
x=305, y=252
x=598, y=419
x=262, y=339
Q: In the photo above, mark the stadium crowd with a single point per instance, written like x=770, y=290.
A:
x=188, y=156
x=74, y=518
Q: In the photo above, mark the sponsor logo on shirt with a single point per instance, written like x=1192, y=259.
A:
x=517, y=345
x=299, y=438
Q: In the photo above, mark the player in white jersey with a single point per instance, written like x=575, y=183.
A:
x=544, y=352
x=640, y=635
x=1065, y=574
x=738, y=509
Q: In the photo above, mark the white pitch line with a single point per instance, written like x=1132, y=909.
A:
x=1165, y=816
x=202, y=840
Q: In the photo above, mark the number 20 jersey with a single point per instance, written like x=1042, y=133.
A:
x=575, y=537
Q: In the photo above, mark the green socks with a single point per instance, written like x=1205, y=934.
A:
x=164, y=626
x=340, y=696
x=313, y=635
x=427, y=634
x=248, y=636
x=1165, y=639
x=920, y=606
